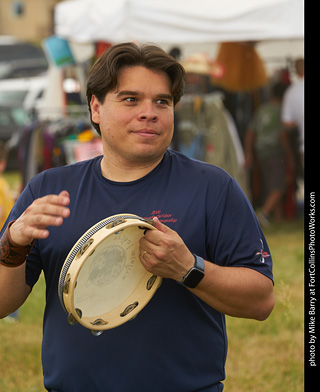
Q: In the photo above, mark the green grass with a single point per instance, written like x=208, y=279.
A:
x=14, y=180
x=263, y=356
x=20, y=342
x=269, y=356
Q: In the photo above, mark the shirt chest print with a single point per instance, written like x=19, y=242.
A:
x=163, y=217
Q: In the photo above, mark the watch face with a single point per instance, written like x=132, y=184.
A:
x=193, y=278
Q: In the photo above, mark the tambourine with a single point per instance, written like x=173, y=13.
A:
x=102, y=282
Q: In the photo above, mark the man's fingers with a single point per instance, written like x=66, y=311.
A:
x=62, y=199
x=49, y=217
x=55, y=205
x=160, y=226
x=46, y=211
x=34, y=232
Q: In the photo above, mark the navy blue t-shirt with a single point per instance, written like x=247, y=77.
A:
x=177, y=343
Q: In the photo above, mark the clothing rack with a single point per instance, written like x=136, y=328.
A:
x=45, y=144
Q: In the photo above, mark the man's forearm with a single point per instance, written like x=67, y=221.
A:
x=13, y=289
x=236, y=291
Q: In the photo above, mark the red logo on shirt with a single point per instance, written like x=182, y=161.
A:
x=163, y=217
x=262, y=253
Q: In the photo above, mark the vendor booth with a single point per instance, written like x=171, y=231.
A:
x=179, y=21
x=229, y=32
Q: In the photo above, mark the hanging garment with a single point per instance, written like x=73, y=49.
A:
x=203, y=132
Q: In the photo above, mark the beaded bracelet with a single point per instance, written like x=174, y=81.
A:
x=11, y=254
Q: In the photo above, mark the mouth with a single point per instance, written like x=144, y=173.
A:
x=146, y=133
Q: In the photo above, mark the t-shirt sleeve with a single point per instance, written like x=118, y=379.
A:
x=235, y=238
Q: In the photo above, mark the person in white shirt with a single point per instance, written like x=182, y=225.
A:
x=293, y=106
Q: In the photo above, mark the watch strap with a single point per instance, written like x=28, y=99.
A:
x=195, y=274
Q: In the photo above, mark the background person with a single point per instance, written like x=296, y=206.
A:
x=211, y=253
x=266, y=142
x=293, y=122
x=6, y=203
x=293, y=107
x=6, y=197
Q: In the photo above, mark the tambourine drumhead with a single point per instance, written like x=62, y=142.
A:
x=102, y=282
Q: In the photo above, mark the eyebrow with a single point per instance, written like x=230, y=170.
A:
x=136, y=93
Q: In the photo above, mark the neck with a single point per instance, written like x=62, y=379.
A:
x=124, y=172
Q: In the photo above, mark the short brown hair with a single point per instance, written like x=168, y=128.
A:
x=104, y=73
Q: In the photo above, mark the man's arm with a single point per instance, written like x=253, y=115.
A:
x=14, y=290
x=234, y=291
x=32, y=224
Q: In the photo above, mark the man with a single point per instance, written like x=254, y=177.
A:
x=293, y=108
x=6, y=197
x=266, y=141
x=178, y=341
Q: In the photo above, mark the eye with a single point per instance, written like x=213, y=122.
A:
x=130, y=99
x=163, y=102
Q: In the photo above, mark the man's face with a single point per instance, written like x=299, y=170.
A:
x=136, y=119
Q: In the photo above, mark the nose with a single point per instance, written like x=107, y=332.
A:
x=148, y=112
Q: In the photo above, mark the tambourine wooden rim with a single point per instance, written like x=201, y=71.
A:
x=82, y=269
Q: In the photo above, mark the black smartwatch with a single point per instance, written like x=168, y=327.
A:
x=195, y=274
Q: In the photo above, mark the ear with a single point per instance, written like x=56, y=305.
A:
x=95, y=109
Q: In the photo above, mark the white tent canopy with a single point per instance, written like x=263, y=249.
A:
x=179, y=21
